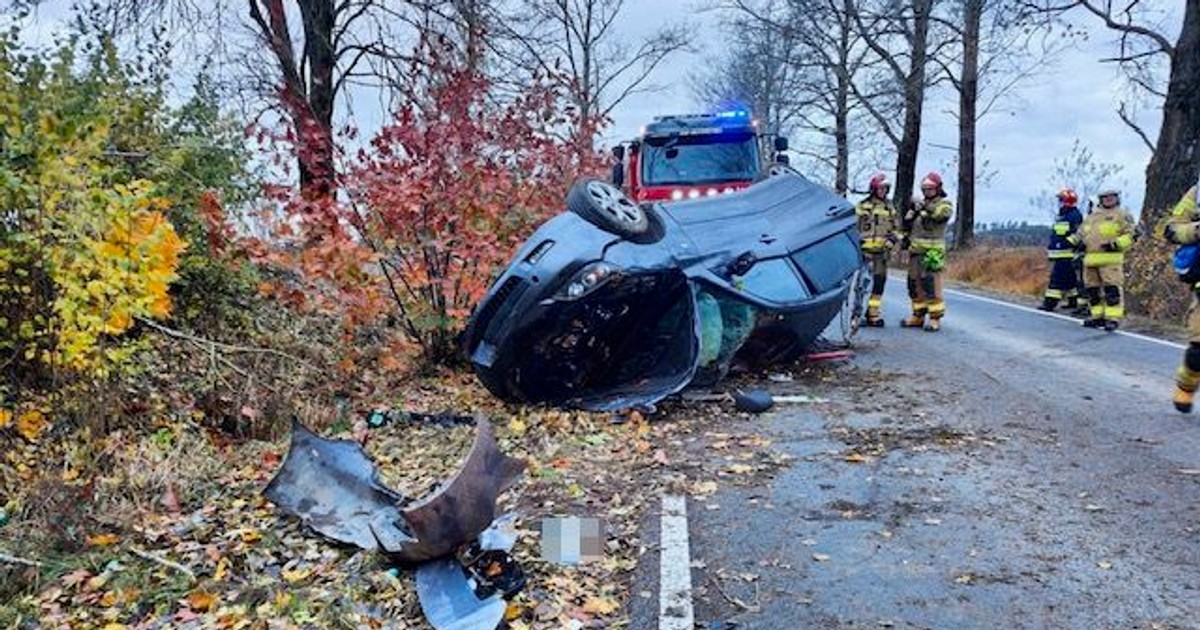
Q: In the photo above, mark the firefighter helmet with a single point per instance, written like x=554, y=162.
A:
x=932, y=180
x=1068, y=197
x=1109, y=192
x=877, y=182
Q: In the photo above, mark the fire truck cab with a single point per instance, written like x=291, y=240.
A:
x=689, y=156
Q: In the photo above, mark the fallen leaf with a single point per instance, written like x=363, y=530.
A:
x=600, y=605
x=702, y=488
x=222, y=569
x=32, y=424
x=933, y=521
x=201, y=601
x=964, y=579
x=821, y=557
x=291, y=576
x=1104, y=564
x=739, y=469
x=517, y=426
x=1182, y=471
x=856, y=458
x=170, y=500
x=103, y=540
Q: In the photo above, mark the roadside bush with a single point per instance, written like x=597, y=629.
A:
x=431, y=210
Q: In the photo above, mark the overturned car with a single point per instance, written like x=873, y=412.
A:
x=614, y=305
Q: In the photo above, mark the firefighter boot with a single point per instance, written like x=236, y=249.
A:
x=933, y=325
x=916, y=320
x=1187, y=379
x=1183, y=399
x=1048, y=304
x=874, y=319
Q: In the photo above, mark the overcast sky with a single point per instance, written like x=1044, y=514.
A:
x=1076, y=98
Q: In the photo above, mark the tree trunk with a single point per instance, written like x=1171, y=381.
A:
x=1176, y=159
x=914, y=100
x=968, y=94
x=317, y=171
x=841, y=114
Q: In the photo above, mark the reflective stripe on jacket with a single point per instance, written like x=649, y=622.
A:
x=1184, y=216
x=929, y=229
x=876, y=224
x=1066, y=225
x=1111, y=227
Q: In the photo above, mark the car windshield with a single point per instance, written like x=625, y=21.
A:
x=700, y=159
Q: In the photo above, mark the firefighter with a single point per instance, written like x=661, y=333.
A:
x=1104, y=236
x=1183, y=228
x=924, y=236
x=877, y=227
x=1063, y=279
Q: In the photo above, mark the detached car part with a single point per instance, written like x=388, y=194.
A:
x=604, y=311
x=463, y=571
x=333, y=487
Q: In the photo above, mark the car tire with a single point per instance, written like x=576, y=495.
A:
x=605, y=206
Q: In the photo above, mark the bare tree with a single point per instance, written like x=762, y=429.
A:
x=579, y=38
x=993, y=51
x=801, y=57
x=897, y=31
x=1175, y=158
x=1079, y=170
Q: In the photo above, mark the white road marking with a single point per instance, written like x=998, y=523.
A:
x=675, y=567
x=980, y=298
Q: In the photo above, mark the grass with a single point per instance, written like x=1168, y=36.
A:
x=1014, y=270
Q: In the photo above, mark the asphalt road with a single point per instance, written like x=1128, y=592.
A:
x=1012, y=471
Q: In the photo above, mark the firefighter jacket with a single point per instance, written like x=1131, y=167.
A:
x=928, y=229
x=1065, y=226
x=1184, y=222
x=1106, y=233
x=876, y=224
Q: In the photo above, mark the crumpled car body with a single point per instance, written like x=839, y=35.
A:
x=583, y=317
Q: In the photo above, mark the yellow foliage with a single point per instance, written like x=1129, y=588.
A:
x=31, y=424
x=6, y=417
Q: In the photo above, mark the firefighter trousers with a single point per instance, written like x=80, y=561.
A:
x=1063, y=280
x=1187, y=377
x=878, y=263
x=1104, y=286
x=924, y=289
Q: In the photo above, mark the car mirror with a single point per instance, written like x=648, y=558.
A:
x=618, y=152
x=781, y=143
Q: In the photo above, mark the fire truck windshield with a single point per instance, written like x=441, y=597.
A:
x=699, y=159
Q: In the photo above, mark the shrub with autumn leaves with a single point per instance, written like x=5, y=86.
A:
x=429, y=213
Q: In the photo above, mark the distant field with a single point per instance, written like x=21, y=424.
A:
x=1019, y=270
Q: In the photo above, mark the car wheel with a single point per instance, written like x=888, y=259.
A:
x=606, y=207
x=855, y=306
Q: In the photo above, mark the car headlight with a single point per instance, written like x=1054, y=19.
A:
x=586, y=280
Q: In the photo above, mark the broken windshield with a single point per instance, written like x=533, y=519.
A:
x=700, y=159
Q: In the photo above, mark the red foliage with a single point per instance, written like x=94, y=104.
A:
x=431, y=209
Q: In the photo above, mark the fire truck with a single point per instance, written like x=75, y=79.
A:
x=693, y=155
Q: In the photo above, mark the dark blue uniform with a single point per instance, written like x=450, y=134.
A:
x=1064, y=267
